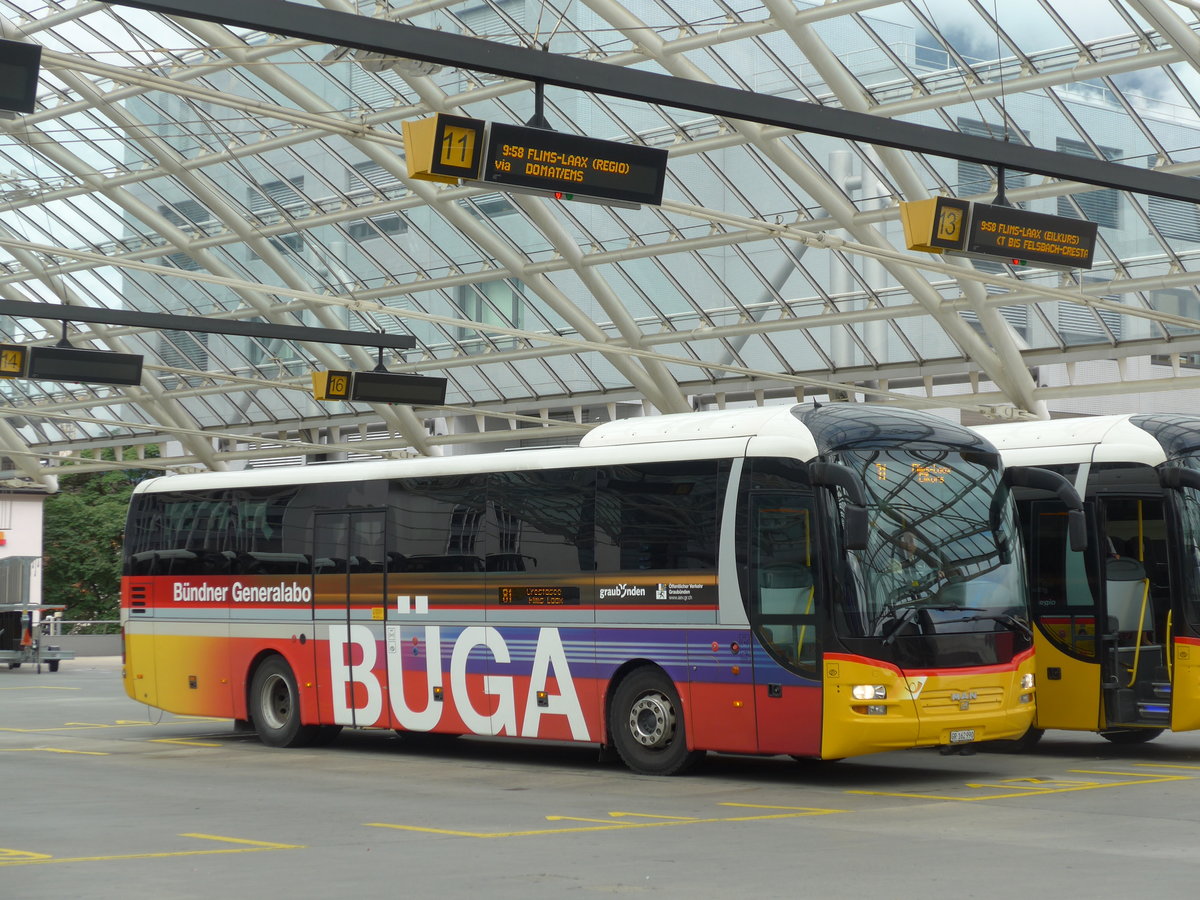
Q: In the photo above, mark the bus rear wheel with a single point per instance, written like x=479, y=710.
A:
x=1131, y=735
x=275, y=706
x=646, y=724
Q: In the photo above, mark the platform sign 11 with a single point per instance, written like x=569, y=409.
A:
x=443, y=148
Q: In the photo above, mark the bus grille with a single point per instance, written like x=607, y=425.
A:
x=951, y=702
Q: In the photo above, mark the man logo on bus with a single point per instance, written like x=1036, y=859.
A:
x=964, y=698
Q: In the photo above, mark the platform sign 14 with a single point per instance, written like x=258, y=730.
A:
x=14, y=360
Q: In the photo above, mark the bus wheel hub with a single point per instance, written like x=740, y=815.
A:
x=652, y=720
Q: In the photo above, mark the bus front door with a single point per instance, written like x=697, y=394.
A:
x=1184, y=624
x=349, y=597
x=1064, y=609
x=784, y=620
x=1133, y=642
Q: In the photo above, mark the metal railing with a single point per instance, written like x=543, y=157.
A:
x=55, y=627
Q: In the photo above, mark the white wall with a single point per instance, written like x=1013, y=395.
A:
x=21, y=523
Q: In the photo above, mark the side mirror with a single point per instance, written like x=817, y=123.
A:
x=856, y=527
x=855, y=524
x=1175, y=478
x=1046, y=480
x=1077, y=529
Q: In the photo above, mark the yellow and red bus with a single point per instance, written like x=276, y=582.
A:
x=1117, y=624
x=819, y=582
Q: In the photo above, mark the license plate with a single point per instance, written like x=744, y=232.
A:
x=962, y=736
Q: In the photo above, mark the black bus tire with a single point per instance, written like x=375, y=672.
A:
x=646, y=724
x=1131, y=735
x=275, y=706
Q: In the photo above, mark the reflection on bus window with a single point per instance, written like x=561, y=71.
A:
x=938, y=539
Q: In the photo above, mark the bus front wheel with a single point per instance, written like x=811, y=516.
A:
x=275, y=706
x=646, y=723
x=1131, y=735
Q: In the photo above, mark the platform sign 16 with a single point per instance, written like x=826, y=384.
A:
x=331, y=385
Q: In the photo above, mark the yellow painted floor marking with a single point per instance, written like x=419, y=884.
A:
x=120, y=723
x=25, y=855
x=803, y=810
x=21, y=858
x=50, y=750
x=1164, y=766
x=74, y=726
x=794, y=812
x=1036, y=788
x=183, y=742
x=1033, y=784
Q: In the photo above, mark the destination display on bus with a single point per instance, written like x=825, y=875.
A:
x=539, y=595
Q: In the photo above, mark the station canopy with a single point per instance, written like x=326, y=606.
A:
x=207, y=170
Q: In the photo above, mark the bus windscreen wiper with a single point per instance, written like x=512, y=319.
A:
x=902, y=611
x=1018, y=625
x=921, y=603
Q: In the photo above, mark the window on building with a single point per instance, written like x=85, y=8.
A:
x=494, y=303
x=182, y=213
x=1178, y=302
x=379, y=226
x=974, y=178
x=275, y=196
x=1101, y=206
x=1175, y=218
x=372, y=176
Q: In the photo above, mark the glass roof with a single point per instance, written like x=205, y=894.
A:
x=180, y=166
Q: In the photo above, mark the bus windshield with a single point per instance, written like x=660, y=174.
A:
x=941, y=538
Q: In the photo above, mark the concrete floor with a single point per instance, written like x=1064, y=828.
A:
x=103, y=798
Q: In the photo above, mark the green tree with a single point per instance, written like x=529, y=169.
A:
x=83, y=531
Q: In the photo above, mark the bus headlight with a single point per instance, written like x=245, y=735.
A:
x=1027, y=681
x=869, y=692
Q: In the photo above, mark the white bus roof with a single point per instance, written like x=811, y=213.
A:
x=765, y=421
x=1076, y=440
x=758, y=431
